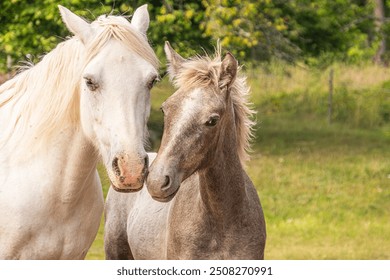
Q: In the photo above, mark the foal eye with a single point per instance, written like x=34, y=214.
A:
x=91, y=84
x=212, y=121
x=162, y=108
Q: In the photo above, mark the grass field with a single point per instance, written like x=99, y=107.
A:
x=325, y=188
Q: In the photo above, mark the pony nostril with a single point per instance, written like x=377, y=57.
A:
x=167, y=181
x=145, y=170
x=146, y=161
x=115, y=167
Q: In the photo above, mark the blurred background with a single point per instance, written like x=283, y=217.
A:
x=320, y=83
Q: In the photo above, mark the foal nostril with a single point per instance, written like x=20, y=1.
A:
x=115, y=167
x=166, y=182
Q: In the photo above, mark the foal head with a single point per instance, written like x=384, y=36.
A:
x=119, y=71
x=196, y=119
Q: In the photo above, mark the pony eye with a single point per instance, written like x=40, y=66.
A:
x=213, y=120
x=152, y=82
x=91, y=84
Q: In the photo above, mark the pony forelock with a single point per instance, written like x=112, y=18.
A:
x=204, y=71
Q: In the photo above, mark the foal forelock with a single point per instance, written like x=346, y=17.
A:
x=46, y=97
x=201, y=72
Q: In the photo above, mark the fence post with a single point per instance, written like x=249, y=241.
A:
x=330, y=97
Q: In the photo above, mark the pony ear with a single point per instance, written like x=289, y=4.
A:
x=76, y=24
x=229, y=68
x=140, y=19
x=174, y=60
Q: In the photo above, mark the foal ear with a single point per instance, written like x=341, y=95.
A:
x=76, y=24
x=174, y=60
x=140, y=19
x=228, y=71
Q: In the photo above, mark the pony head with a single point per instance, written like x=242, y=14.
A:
x=119, y=70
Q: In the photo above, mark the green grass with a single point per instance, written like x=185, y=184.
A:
x=325, y=189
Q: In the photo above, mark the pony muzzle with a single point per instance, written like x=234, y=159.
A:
x=129, y=175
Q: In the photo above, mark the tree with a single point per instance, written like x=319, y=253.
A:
x=379, y=16
x=340, y=28
x=35, y=27
x=252, y=30
x=179, y=22
x=291, y=29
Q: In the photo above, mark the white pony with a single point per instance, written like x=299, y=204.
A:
x=86, y=99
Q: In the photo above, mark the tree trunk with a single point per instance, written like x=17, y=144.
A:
x=379, y=14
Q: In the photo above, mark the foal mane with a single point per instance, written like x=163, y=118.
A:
x=204, y=71
x=45, y=97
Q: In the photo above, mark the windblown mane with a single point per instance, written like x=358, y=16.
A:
x=45, y=98
x=203, y=71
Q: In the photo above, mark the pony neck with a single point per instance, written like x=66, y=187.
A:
x=79, y=166
x=222, y=182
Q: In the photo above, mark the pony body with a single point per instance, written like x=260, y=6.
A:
x=57, y=120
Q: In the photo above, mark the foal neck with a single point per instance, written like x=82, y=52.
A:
x=222, y=182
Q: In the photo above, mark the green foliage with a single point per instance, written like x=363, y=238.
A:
x=179, y=23
x=292, y=29
x=316, y=32
x=35, y=27
x=326, y=23
x=252, y=30
x=27, y=28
